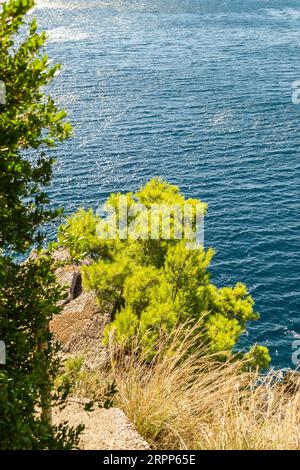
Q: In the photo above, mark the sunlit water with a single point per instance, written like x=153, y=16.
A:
x=198, y=92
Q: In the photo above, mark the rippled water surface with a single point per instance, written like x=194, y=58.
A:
x=199, y=92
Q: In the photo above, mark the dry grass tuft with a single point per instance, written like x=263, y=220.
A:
x=188, y=401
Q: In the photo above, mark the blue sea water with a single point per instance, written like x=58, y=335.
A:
x=199, y=92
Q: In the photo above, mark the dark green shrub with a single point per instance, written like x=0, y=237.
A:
x=30, y=122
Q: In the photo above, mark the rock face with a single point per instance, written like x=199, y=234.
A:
x=75, y=317
x=88, y=342
x=104, y=429
x=79, y=327
x=70, y=277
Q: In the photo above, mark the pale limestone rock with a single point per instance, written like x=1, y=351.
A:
x=104, y=429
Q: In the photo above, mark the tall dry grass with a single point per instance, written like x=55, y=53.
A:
x=189, y=401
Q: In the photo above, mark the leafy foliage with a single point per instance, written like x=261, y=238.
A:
x=75, y=375
x=30, y=122
x=28, y=376
x=79, y=236
x=154, y=285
